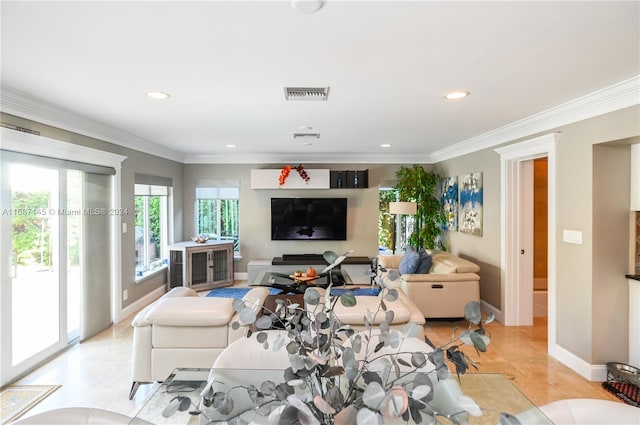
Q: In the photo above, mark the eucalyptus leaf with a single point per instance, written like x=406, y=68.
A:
x=348, y=299
x=393, y=274
x=422, y=392
x=389, y=316
x=394, y=339
x=329, y=256
x=171, y=408
x=356, y=343
x=478, y=342
x=373, y=395
x=391, y=295
x=323, y=406
x=264, y=322
x=238, y=304
x=278, y=343
x=368, y=417
x=248, y=316
x=268, y=387
x=311, y=297
x=418, y=360
x=472, y=312
x=411, y=330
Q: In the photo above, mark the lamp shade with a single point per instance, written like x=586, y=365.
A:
x=406, y=208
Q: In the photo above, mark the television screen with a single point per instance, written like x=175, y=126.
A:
x=309, y=219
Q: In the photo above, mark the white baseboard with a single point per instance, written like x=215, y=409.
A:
x=241, y=276
x=141, y=303
x=485, y=306
x=593, y=373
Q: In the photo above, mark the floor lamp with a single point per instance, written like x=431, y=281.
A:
x=401, y=208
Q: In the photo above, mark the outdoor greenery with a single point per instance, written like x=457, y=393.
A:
x=218, y=218
x=31, y=232
x=154, y=215
x=386, y=222
x=418, y=185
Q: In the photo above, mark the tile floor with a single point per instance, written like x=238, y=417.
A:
x=96, y=372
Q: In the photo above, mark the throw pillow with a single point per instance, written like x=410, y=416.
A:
x=426, y=260
x=409, y=262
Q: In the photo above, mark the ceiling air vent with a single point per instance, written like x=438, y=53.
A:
x=306, y=93
x=306, y=135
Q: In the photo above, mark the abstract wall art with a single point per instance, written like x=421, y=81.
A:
x=450, y=203
x=470, y=213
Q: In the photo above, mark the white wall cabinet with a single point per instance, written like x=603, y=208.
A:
x=269, y=179
x=201, y=266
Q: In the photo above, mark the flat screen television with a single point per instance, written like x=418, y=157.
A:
x=309, y=219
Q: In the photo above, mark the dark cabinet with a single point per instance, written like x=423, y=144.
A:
x=349, y=179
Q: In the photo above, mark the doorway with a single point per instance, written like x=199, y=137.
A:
x=517, y=234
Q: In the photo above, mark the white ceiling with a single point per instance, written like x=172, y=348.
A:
x=388, y=65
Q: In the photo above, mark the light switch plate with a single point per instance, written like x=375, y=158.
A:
x=124, y=227
x=572, y=236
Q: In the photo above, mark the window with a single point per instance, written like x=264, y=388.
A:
x=393, y=230
x=217, y=212
x=151, y=225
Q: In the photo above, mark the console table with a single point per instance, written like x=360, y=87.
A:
x=358, y=268
x=201, y=266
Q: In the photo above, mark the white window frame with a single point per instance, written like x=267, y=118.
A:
x=217, y=191
x=164, y=193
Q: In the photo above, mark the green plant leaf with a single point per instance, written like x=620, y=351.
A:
x=264, y=322
x=238, y=304
x=348, y=299
x=418, y=360
x=391, y=295
x=478, y=342
x=248, y=316
x=373, y=395
x=472, y=312
x=311, y=296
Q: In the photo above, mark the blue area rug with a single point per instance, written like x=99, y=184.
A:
x=357, y=291
x=236, y=292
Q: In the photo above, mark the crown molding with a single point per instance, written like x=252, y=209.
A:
x=610, y=99
x=308, y=158
x=26, y=106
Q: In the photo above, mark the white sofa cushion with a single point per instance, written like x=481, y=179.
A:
x=188, y=311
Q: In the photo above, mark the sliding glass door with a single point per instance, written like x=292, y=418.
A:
x=42, y=226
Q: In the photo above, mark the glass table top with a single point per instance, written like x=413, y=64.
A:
x=494, y=393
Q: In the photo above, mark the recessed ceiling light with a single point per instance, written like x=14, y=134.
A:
x=385, y=145
x=307, y=6
x=157, y=95
x=457, y=95
x=231, y=146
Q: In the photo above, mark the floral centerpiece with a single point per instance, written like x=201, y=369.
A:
x=340, y=376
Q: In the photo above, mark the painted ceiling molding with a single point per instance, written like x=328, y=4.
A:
x=618, y=96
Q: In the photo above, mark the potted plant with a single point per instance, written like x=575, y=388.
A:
x=330, y=381
x=415, y=184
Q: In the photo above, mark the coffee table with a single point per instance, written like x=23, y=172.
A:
x=289, y=284
x=493, y=392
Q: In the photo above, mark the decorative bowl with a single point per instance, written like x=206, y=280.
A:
x=200, y=239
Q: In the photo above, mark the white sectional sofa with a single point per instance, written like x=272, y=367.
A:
x=181, y=329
